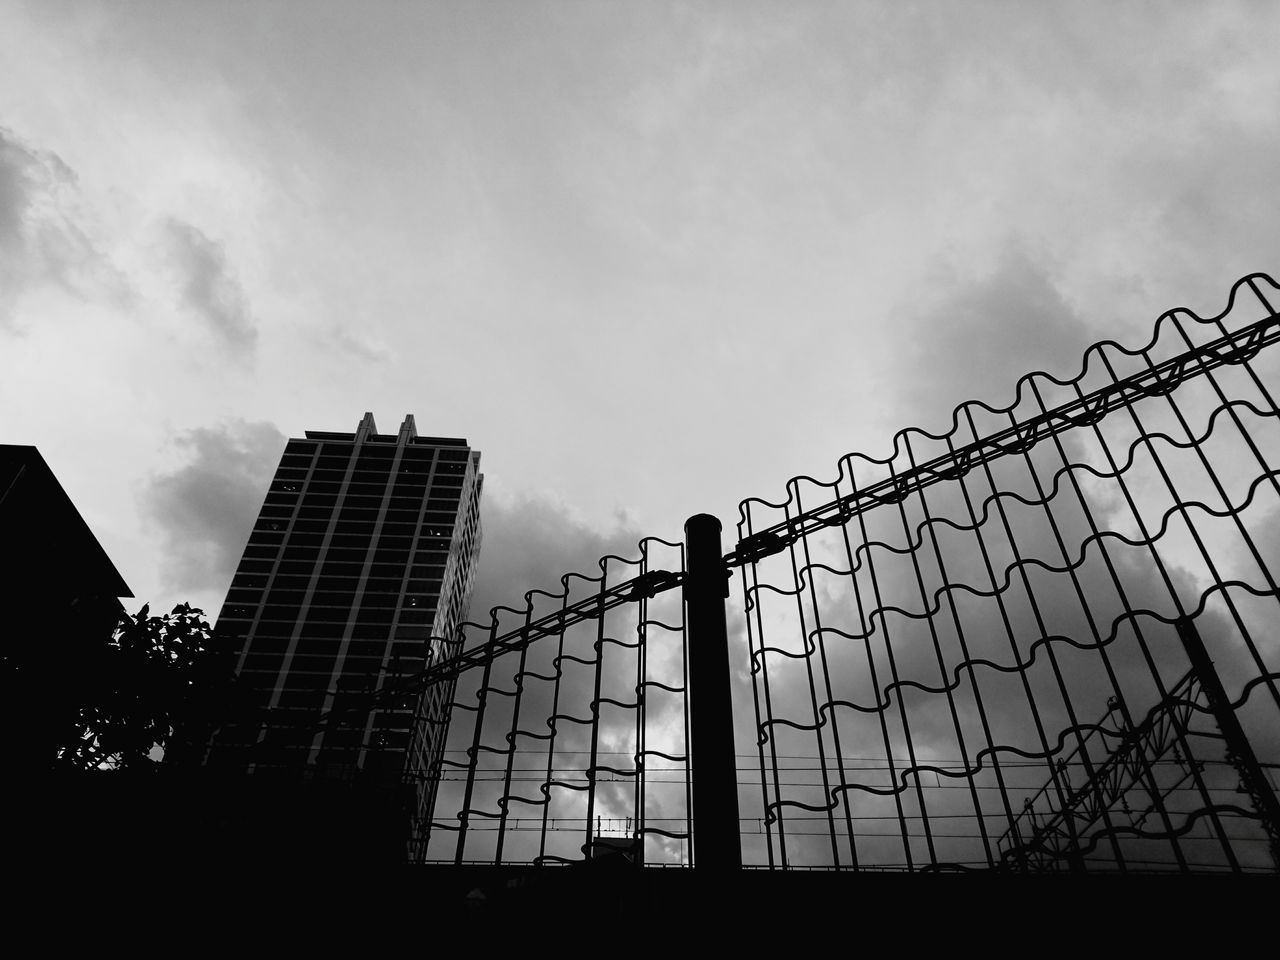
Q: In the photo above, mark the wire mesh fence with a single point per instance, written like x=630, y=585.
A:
x=981, y=651
x=574, y=745
x=1040, y=641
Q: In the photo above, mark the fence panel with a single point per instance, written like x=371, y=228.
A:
x=998, y=647
x=567, y=737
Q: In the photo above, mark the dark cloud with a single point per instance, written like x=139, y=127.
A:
x=16, y=166
x=209, y=288
x=974, y=340
x=42, y=234
x=530, y=542
x=206, y=508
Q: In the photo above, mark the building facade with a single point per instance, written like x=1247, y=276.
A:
x=357, y=573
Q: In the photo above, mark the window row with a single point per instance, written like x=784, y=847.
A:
x=430, y=568
x=341, y=599
x=310, y=555
x=371, y=471
x=437, y=525
x=380, y=632
x=399, y=536
x=260, y=663
x=370, y=623
x=244, y=600
x=364, y=647
x=247, y=588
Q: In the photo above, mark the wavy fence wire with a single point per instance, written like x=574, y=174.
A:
x=1039, y=641
x=568, y=736
x=981, y=652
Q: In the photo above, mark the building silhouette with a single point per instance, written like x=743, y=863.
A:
x=359, y=566
x=60, y=593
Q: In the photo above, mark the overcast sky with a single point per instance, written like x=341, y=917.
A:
x=649, y=258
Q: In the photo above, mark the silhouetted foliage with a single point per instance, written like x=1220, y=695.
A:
x=154, y=681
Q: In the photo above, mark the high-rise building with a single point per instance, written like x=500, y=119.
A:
x=357, y=572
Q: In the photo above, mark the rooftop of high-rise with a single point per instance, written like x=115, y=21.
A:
x=367, y=432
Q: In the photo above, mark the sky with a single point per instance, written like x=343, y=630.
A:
x=649, y=258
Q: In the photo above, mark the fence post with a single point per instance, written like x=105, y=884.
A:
x=1239, y=751
x=716, y=843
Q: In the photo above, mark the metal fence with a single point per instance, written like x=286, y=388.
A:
x=1043, y=640
x=573, y=744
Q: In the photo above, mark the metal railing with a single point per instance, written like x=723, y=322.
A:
x=931, y=638
x=925, y=635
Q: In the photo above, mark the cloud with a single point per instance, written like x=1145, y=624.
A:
x=44, y=232
x=209, y=288
x=530, y=541
x=359, y=344
x=16, y=163
x=205, y=509
x=974, y=340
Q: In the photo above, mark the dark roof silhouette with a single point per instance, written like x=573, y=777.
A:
x=47, y=543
